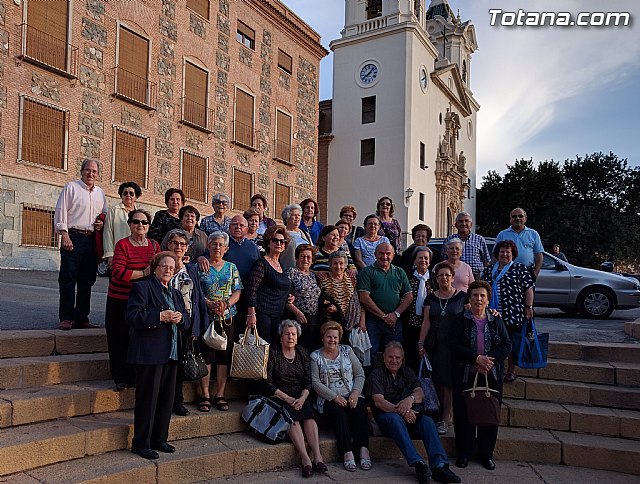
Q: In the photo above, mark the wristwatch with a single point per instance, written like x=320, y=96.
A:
x=397, y=314
x=528, y=306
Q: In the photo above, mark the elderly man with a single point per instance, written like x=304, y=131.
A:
x=421, y=235
x=397, y=398
x=385, y=293
x=527, y=241
x=474, y=249
x=217, y=220
x=77, y=209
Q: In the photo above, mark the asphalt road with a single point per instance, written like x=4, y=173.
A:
x=29, y=300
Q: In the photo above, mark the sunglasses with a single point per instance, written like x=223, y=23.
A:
x=128, y=194
x=139, y=222
x=278, y=241
x=517, y=216
x=222, y=202
x=385, y=204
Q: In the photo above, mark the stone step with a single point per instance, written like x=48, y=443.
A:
x=560, y=391
x=590, y=351
x=575, y=418
x=606, y=373
x=24, y=343
x=50, y=370
x=38, y=404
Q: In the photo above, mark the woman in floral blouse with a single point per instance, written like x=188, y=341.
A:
x=306, y=292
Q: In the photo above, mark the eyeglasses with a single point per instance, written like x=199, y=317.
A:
x=179, y=244
x=135, y=221
x=385, y=204
x=517, y=216
x=128, y=194
x=167, y=267
x=278, y=241
x=444, y=275
x=216, y=244
x=347, y=215
x=222, y=202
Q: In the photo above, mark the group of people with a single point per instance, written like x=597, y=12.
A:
x=327, y=298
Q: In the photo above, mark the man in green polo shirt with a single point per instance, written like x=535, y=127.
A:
x=385, y=293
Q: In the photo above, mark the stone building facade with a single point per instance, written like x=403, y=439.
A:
x=207, y=95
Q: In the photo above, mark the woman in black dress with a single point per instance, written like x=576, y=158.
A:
x=440, y=310
x=289, y=380
x=268, y=286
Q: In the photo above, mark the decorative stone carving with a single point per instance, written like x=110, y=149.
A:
x=169, y=9
x=223, y=43
x=45, y=86
x=89, y=147
x=265, y=85
x=131, y=118
x=222, y=78
x=93, y=56
x=223, y=24
x=92, y=79
x=91, y=103
x=194, y=141
x=284, y=81
x=166, y=88
x=94, y=32
x=164, y=168
x=264, y=166
x=222, y=96
x=161, y=185
x=245, y=56
x=164, y=129
x=219, y=167
x=164, y=149
x=167, y=48
x=196, y=25
x=243, y=159
x=265, y=117
x=165, y=109
x=222, y=60
x=95, y=8
x=90, y=126
x=219, y=149
x=223, y=6
x=168, y=28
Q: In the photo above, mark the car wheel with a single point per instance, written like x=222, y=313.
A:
x=596, y=303
x=103, y=268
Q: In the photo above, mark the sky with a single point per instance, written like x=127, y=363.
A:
x=545, y=92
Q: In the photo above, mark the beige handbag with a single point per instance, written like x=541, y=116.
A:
x=213, y=339
x=250, y=357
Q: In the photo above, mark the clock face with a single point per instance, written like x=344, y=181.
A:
x=368, y=73
x=423, y=78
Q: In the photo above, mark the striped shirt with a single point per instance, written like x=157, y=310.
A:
x=126, y=259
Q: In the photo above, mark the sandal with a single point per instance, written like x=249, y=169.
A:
x=221, y=404
x=365, y=464
x=320, y=467
x=350, y=465
x=510, y=377
x=204, y=404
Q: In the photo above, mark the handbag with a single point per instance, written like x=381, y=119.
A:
x=192, y=364
x=482, y=404
x=250, y=357
x=530, y=349
x=214, y=340
x=430, y=404
x=268, y=419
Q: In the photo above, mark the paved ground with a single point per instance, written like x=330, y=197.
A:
x=388, y=471
x=29, y=300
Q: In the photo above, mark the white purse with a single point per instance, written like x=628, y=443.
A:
x=213, y=339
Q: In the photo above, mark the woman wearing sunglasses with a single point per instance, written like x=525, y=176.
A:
x=131, y=258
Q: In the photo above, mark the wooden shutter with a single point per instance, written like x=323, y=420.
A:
x=285, y=62
x=246, y=35
x=283, y=195
x=195, y=92
x=194, y=176
x=242, y=189
x=201, y=7
x=130, y=158
x=244, y=118
x=37, y=226
x=283, y=136
x=43, y=134
x=133, y=60
x=47, y=32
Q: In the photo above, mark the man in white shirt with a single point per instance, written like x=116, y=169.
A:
x=77, y=209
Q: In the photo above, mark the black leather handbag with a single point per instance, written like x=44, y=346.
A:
x=192, y=364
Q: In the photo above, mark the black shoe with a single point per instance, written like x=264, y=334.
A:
x=181, y=410
x=145, y=453
x=462, y=462
x=445, y=475
x=164, y=447
x=423, y=472
x=488, y=464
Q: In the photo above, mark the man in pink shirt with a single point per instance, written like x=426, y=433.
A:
x=78, y=207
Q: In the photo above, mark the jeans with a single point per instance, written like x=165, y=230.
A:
x=394, y=426
x=77, y=268
x=380, y=332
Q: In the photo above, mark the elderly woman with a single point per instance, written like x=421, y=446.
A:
x=309, y=223
x=511, y=292
x=186, y=281
x=268, y=286
x=365, y=246
x=131, y=258
x=306, y=292
x=222, y=286
x=338, y=379
x=289, y=380
x=464, y=274
x=189, y=217
x=440, y=310
x=397, y=396
x=329, y=243
x=343, y=230
x=154, y=311
x=116, y=223
x=348, y=214
x=390, y=227
x=422, y=284
x=259, y=202
x=480, y=343
x=252, y=216
x=165, y=220
x=339, y=299
x=291, y=216
x=217, y=220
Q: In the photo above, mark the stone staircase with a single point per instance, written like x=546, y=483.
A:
x=61, y=421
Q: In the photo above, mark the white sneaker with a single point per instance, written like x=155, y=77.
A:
x=442, y=427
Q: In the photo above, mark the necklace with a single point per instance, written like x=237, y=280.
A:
x=136, y=242
x=443, y=309
x=290, y=360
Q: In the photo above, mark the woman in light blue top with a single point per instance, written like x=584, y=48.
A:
x=365, y=246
